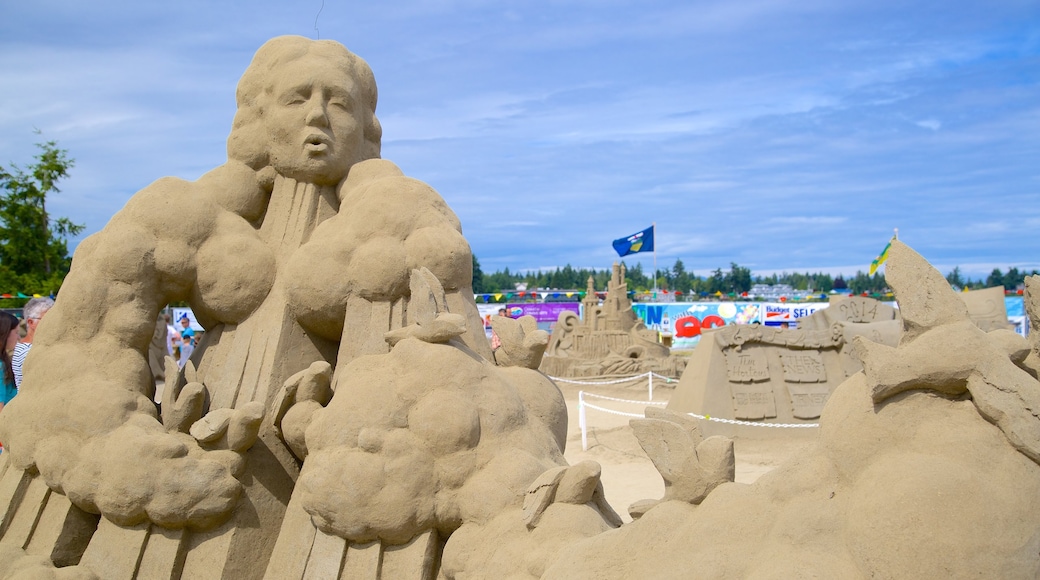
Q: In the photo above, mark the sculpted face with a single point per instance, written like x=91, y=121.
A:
x=313, y=119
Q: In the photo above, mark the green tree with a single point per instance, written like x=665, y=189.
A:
x=995, y=278
x=955, y=278
x=716, y=282
x=681, y=278
x=738, y=279
x=33, y=245
x=478, y=276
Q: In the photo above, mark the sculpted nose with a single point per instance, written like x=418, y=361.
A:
x=316, y=115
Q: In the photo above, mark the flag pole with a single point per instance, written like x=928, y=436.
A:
x=653, y=226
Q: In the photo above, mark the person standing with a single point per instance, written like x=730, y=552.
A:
x=33, y=312
x=187, y=332
x=9, y=334
x=496, y=342
x=173, y=336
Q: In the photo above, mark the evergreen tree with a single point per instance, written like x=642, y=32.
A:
x=955, y=278
x=478, y=276
x=738, y=280
x=995, y=278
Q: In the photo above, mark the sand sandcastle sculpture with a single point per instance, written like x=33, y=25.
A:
x=781, y=375
x=342, y=416
x=927, y=465
x=785, y=375
x=608, y=340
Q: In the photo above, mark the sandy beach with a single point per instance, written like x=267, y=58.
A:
x=628, y=474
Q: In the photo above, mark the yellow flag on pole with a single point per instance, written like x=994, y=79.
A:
x=881, y=257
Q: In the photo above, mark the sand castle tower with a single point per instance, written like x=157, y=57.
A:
x=608, y=340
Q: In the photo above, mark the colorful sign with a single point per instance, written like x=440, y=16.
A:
x=686, y=321
x=545, y=313
x=777, y=313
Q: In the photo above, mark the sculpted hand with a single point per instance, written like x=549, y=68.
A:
x=231, y=430
x=304, y=393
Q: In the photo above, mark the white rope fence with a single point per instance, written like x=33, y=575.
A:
x=649, y=381
x=583, y=405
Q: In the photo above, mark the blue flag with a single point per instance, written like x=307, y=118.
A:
x=638, y=242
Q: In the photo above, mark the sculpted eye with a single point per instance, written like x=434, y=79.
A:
x=338, y=103
x=296, y=97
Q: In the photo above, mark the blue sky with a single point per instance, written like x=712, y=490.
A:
x=780, y=135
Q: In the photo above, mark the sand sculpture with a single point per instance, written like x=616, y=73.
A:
x=609, y=339
x=785, y=375
x=343, y=416
x=780, y=375
x=342, y=412
x=987, y=308
x=926, y=466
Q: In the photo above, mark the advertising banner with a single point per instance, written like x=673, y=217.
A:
x=545, y=313
x=686, y=320
x=777, y=313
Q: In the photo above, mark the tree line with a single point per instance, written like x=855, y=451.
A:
x=736, y=280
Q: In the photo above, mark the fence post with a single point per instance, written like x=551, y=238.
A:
x=581, y=421
x=650, y=380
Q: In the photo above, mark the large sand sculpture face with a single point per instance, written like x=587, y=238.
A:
x=307, y=109
x=312, y=114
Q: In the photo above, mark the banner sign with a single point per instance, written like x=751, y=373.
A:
x=686, y=321
x=546, y=313
x=777, y=313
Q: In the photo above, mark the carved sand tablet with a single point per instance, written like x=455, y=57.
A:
x=858, y=309
x=753, y=401
x=808, y=399
x=803, y=367
x=745, y=368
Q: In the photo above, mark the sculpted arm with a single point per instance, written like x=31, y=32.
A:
x=85, y=416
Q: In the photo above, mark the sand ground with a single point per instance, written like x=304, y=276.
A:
x=628, y=474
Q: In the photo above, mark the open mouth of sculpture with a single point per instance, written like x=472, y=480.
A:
x=317, y=143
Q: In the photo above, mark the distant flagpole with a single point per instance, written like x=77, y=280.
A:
x=653, y=225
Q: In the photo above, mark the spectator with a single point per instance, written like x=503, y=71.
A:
x=186, y=349
x=9, y=334
x=496, y=342
x=187, y=332
x=33, y=312
x=173, y=336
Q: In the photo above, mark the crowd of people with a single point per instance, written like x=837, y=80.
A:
x=180, y=338
x=18, y=337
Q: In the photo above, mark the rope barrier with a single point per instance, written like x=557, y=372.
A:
x=649, y=381
x=614, y=382
x=583, y=423
x=756, y=424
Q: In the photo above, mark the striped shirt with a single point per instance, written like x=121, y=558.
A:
x=20, y=350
